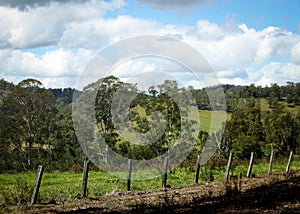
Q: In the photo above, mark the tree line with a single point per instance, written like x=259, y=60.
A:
x=36, y=124
x=251, y=129
x=289, y=93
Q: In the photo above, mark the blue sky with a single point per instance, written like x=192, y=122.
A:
x=257, y=13
x=243, y=41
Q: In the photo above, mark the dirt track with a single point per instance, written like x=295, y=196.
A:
x=270, y=194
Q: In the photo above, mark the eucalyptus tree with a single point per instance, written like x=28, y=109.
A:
x=98, y=134
x=33, y=108
x=169, y=124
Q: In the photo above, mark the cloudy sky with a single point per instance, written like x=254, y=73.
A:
x=245, y=42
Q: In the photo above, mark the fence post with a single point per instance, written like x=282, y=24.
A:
x=228, y=167
x=197, y=169
x=289, y=163
x=164, y=177
x=250, y=165
x=37, y=184
x=85, y=177
x=129, y=175
x=272, y=157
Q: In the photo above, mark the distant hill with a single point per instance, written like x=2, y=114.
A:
x=66, y=94
x=63, y=94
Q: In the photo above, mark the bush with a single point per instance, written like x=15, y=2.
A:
x=207, y=173
x=244, y=145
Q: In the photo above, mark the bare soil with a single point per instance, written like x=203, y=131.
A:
x=269, y=194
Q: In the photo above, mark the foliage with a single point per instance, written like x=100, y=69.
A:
x=32, y=129
x=36, y=124
x=259, y=131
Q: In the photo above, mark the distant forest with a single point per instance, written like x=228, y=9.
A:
x=36, y=124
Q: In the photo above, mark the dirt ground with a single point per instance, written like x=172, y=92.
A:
x=269, y=194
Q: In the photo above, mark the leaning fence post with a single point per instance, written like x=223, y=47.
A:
x=37, y=184
x=272, y=157
x=164, y=177
x=289, y=162
x=250, y=165
x=197, y=169
x=228, y=167
x=85, y=177
x=129, y=175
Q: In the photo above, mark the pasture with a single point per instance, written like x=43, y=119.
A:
x=66, y=186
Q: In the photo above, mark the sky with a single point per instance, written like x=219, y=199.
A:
x=244, y=42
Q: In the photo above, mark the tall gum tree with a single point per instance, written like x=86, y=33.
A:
x=34, y=109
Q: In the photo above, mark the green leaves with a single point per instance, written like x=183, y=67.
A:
x=33, y=109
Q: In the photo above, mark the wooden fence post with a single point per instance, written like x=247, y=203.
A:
x=250, y=165
x=37, y=184
x=129, y=175
x=197, y=169
x=228, y=167
x=289, y=163
x=164, y=177
x=272, y=157
x=85, y=177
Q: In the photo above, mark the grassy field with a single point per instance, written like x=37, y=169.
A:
x=62, y=186
x=205, y=117
x=206, y=123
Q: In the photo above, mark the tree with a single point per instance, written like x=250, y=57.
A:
x=33, y=108
x=10, y=145
x=65, y=147
x=231, y=102
x=93, y=119
x=243, y=130
x=175, y=106
x=244, y=145
x=281, y=129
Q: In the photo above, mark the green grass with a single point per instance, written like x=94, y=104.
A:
x=206, y=120
x=61, y=186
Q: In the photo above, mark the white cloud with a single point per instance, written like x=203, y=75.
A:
x=43, y=26
x=237, y=53
x=134, y=67
x=295, y=54
x=53, y=65
x=83, y=35
x=239, y=49
x=248, y=55
x=278, y=73
x=235, y=81
x=274, y=43
x=206, y=30
x=96, y=33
